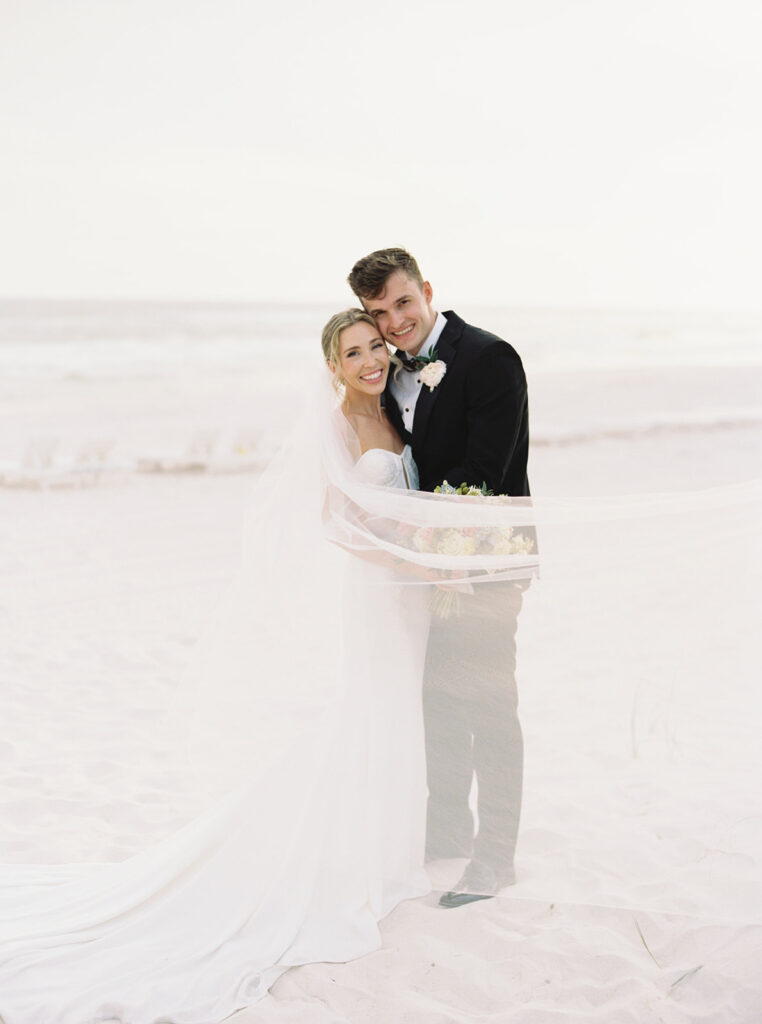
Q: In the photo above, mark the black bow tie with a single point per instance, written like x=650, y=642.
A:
x=410, y=363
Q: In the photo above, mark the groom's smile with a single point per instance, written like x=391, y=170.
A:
x=404, y=332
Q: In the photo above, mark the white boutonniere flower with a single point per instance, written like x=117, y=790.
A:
x=432, y=373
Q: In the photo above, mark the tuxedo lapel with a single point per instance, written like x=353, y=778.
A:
x=447, y=349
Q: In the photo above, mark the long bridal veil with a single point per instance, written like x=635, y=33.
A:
x=295, y=745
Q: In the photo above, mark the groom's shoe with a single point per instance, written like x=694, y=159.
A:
x=478, y=882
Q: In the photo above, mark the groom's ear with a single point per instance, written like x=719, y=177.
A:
x=428, y=291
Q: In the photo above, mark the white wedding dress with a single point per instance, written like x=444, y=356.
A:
x=297, y=865
x=387, y=469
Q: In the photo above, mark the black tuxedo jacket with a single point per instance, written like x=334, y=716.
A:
x=474, y=426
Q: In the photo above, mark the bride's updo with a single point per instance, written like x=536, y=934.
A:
x=332, y=334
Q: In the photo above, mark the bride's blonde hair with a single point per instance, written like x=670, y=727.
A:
x=332, y=334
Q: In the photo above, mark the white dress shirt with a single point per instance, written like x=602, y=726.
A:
x=406, y=386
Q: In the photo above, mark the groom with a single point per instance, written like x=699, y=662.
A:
x=470, y=427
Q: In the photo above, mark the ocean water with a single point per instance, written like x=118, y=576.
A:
x=90, y=391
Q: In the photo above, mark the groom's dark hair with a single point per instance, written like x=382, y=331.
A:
x=370, y=274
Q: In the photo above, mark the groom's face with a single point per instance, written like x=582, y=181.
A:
x=403, y=312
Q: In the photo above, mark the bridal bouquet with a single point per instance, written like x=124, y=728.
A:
x=488, y=540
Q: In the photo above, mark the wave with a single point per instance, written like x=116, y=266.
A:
x=703, y=422
x=49, y=462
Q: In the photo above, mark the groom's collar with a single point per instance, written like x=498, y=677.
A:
x=454, y=324
x=434, y=334
x=448, y=340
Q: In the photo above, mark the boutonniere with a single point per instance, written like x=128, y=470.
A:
x=433, y=371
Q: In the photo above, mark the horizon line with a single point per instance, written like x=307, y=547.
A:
x=275, y=303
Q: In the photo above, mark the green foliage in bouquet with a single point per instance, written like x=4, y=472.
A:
x=467, y=489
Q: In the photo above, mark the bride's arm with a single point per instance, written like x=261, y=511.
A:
x=345, y=530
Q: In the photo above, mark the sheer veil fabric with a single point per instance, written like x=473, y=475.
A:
x=306, y=770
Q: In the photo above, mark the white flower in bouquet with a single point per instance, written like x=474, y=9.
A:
x=423, y=538
x=522, y=545
x=503, y=543
x=456, y=543
x=432, y=373
x=510, y=543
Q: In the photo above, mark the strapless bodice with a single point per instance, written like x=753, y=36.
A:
x=388, y=469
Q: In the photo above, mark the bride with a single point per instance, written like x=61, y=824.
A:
x=310, y=736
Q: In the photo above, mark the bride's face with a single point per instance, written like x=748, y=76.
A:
x=363, y=359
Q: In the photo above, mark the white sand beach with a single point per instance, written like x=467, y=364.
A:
x=126, y=464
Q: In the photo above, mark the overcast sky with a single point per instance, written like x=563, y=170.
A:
x=551, y=152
